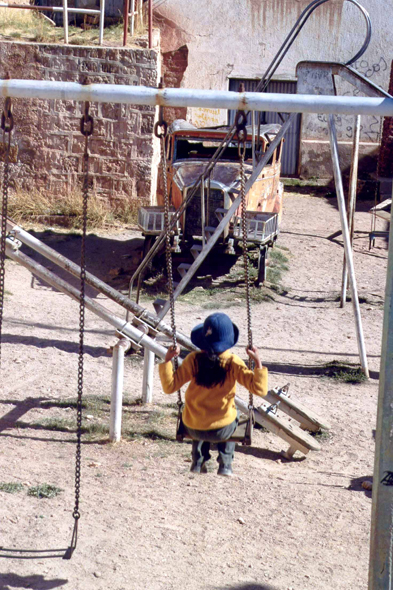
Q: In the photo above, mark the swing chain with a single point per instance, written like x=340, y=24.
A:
x=168, y=250
x=7, y=125
x=86, y=126
x=161, y=123
x=87, y=122
x=241, y=120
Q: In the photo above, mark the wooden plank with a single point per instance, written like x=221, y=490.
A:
x=291, y=433
x=308, y=419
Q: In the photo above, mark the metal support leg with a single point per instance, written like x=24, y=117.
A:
x=148, y=372
x=347, y=244
x=262, y=265
x=381, y=549
x=117, y=389
x=353, y=183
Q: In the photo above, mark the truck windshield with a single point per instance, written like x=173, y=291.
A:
x=202, y=149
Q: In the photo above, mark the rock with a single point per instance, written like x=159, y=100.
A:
x=241, y=520
x=367, y=485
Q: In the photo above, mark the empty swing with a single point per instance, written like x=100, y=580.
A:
x=86, y=128
x=243, y=432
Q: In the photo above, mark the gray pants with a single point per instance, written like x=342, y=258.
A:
x=201, y=440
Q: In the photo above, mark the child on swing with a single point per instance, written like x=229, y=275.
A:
x=209, y=413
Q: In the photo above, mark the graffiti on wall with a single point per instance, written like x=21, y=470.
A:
x=205, y=117
x=370, y=128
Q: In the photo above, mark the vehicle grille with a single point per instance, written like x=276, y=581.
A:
x=193, y=223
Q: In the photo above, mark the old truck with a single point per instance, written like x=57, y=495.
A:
x=188, y=150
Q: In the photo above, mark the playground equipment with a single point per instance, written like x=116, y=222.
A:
x=381, y=571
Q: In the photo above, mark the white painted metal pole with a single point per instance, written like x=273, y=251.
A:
x=353, y=185
x=381, y=547
x=347, y=244
x=102, y=21
x=117, y=389
x=119, y=324
x=183, y=97
x=148, y=374
x=65, y=20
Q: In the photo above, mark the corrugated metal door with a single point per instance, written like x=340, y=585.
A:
x=290, y=155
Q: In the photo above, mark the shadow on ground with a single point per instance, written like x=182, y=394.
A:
x=35, y=582
x=356, y=485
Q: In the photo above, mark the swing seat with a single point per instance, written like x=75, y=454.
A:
x=242, y=434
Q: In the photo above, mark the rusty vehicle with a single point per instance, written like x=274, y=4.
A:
x=188, y=151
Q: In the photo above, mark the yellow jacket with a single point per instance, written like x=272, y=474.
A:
x=210, y=409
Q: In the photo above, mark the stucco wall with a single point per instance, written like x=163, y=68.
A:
x=47, y=133
x=239, y=38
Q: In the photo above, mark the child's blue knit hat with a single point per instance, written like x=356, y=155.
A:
x=216, y=334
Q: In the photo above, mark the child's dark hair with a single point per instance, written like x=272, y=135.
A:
x=209, y=370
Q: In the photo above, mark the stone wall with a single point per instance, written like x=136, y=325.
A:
x=47, y=132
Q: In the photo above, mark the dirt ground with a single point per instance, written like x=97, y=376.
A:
x=147, y=522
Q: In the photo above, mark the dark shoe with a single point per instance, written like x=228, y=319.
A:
x=227, y=471
x=195, y=468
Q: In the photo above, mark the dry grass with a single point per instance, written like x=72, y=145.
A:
x=35, y=207
x=32, y=26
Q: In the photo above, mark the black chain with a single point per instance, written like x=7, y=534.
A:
x=242, y=146
x=87, y=125
x=160, y=130
x=7, y=125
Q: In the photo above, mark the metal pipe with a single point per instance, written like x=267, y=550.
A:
x=132, y=21
x=49, y=277
x=381, y=554
x=353, y=183
x=102, y=22
x=182, y=97
x=139, y=311
x=65, y=21
x=150, y=8
x=117, y=389
x=148, y=375
x=50, y=8
x=347, y=245
x=125, y=16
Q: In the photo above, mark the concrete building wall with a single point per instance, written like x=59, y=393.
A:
x=47, y=132
x=239, y=38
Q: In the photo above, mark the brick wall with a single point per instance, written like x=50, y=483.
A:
x=47, y=132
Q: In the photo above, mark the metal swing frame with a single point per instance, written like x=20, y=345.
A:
x=86, y=128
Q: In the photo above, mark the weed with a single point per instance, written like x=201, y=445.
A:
x=59, y=424
x=344, y=372
x=273, y=275
x=321, y=435
x=11, y=487
x=44, y=490
x=34, y=27
x=62, y=403
x=67, y=211
x=279, y=258
x=149, y=434
x=95, y=428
